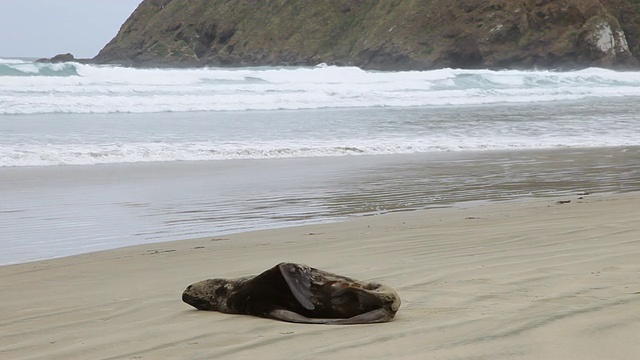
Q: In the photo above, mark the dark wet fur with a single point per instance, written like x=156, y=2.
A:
x=297, y=293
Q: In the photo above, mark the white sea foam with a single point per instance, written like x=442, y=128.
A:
x=91, y=154
x=151, y=115
x=12, y=61
x=31, y=88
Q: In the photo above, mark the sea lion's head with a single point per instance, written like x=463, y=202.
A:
x=208, y=294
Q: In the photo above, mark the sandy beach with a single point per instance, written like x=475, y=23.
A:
x=523, y=279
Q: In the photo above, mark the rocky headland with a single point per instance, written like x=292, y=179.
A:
x=380, y=34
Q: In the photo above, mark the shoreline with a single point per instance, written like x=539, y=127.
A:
x=522, y=279
x=50, y=212
x=461, y=205
x=558, y=198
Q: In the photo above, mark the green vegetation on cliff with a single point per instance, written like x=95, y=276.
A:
x=379, y=34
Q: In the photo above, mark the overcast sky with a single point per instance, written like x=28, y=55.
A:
x=44, y=28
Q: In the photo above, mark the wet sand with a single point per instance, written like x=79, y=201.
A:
x=56, y=211
x=528, y=278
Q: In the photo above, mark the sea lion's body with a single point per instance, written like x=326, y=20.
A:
x=297, y=293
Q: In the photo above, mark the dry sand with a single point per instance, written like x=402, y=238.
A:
x=528, y=279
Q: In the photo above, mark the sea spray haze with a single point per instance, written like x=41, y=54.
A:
x=76, y=114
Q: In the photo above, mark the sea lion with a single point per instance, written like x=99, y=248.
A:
x=297, y=293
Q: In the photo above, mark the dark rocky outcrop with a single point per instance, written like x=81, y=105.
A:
x=62, y=58
x=58, y=58
x=380, y=34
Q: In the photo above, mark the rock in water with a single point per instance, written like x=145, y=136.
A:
x=297, y=293
x=58, y=58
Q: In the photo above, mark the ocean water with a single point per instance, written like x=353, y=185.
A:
x=97, y=157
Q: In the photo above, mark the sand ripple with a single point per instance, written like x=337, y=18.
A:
x=520, y=280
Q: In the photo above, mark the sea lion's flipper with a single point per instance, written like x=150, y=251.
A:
x=349, y=294
x=290, y=316
x=375, y=316
x=299, y=280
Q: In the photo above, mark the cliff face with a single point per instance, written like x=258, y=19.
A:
x=380, y=34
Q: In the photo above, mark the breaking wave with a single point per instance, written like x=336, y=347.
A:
x=31, y=88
